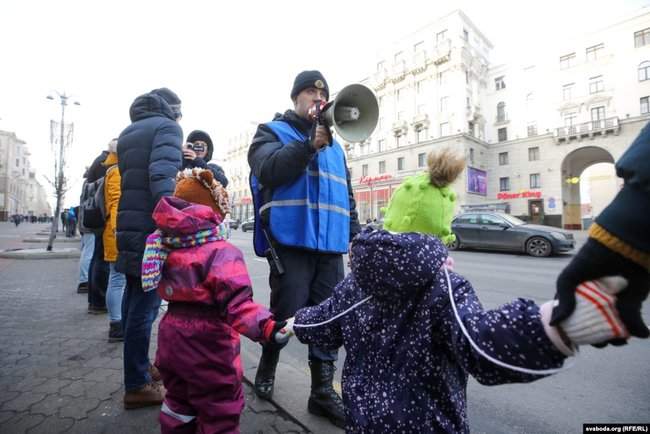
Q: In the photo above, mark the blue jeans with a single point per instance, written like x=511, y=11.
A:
x=139, y=310
x=114, y=292
x=87, y=247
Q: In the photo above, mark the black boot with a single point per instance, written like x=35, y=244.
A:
x=265, y=376
x=323, y=400
x=115, y=333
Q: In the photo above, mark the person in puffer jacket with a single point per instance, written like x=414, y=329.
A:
x=204, y=278
x=408, y=359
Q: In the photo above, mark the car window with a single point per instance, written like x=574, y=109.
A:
x=491, y=220
x=470, y=219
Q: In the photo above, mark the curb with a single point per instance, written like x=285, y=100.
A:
x=63, y=253
x=56, y=240
x=292, y=387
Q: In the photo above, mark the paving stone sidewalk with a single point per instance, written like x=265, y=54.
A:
x=58, y=373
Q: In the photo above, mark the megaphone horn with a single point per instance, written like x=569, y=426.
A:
x=353, y=113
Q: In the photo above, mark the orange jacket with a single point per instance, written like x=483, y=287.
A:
x=111, y=199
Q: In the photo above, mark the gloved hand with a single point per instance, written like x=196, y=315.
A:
x=282, y=331
x=593, y=261
x=594, y=320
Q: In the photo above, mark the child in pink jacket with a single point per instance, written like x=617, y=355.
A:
x=205, y=280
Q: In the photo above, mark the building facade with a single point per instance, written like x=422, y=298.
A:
x=235, y=164
x=20, y=191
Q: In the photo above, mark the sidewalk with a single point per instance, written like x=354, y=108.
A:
x=58, y=373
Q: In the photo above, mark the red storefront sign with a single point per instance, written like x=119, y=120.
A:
x=373, y=179
x=521, y=194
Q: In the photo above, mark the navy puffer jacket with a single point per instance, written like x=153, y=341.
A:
x=407, y=359
x=150, y=156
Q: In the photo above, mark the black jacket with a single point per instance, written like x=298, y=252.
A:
x=96, y=169
x=628, y=216
x=274, y=164
x=150, y=156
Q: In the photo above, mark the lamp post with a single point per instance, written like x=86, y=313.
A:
x=59, y=179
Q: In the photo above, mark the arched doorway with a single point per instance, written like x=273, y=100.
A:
x=573, y=166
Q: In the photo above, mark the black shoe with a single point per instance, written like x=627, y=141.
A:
x=82, y=288
x=115, y=333
x=265, y=376
x=94, y=310
x=323, y=400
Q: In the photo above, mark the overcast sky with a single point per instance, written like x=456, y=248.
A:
x=231, y=63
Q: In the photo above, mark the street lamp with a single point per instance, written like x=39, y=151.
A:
x=59, y=180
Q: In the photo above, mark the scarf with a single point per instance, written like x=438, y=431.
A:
x=158, y=247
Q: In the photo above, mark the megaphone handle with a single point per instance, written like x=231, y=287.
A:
x=317, y=119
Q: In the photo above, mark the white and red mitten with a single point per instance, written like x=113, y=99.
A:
x=449, y=263
x=595, y=318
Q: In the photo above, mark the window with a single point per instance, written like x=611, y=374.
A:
x=466, y=77
x=598, y=113
x=642, y=37
x=442, y=78
x=501, y=112
x=441, y=36
x=364, y=170
x=444, y=104
x=420, y=87
x=382, y=167
x=530, y=100
x=381, y=145
x=471, y=155
x=570, y=119
x=533, y=154
x=500, y=83
x=421, y=158
x=504, y=184
x=644, y=71
x=503, y=158
x=532, y=129
x=471, y=128
x=401, y=116
x=596, y=84
x=465, y=35
x=380, y=66
x=399, y=58
x=444, y=129
x=595, y=52
x=567, y=91
x=398, y=95
x=503, y=134
x=535, y=180
x=644, y=105
x=397, y=140
x=420, y=135
x=418, y=47
x=422, y=109
x=400, y=163
x=17, y=162
x=567, y=61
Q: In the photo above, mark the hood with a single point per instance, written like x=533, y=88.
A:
x=177, y=217
x=292, y=118
x=110, y=160
x=202, y=135
x=150, y=105
x=390, y=266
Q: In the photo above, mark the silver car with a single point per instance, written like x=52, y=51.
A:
x=498, y=231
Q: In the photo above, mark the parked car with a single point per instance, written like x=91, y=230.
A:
x=498, y=231
x=375, y=224
x=248, y=225
x=234, y=224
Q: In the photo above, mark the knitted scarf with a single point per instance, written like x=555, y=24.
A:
x=158, y=247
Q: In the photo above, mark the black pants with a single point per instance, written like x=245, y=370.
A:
x=308, y=279
x=98, y=275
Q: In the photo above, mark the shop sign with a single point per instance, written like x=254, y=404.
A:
x=521, y=194
x=373, y=179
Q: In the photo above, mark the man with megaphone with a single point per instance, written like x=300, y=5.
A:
x=305, y=217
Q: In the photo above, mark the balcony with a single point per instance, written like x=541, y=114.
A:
x=442, y=52
x=589, y=129
x=420, y=122
x=419, y=62
x=398, y=71
x=399, y=128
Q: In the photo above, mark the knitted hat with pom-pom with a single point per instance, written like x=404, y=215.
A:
x=199, y=186
x=425, y=203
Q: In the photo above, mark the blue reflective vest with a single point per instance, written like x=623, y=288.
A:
x=313, y=211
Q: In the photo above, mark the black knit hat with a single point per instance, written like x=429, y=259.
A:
x=307, y=79
x=170, y=98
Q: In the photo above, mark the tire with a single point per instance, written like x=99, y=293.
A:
x=455, y=245
x=539, y=247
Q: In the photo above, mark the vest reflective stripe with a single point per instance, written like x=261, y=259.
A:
x=185, y=418
x=313, y=211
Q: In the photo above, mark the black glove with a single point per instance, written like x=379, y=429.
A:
x=593, y=261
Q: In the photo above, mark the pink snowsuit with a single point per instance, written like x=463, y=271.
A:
x=210, y=305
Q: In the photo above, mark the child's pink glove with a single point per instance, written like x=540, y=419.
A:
x=594, y=320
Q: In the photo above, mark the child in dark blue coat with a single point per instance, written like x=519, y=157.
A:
x=408, y=358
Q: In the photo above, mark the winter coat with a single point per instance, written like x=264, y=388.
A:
x=216, y=170
x=407, y=360
x=274, y=164
x=150, y=156
x=624, y=225
x=111, y=200
x=211, y=274
x=97, y=168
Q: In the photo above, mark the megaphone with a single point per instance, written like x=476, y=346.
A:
x=353, y=114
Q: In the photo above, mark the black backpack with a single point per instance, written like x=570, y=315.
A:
x=93, y=205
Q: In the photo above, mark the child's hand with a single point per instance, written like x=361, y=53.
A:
x=595, y=319
x=282, y=331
